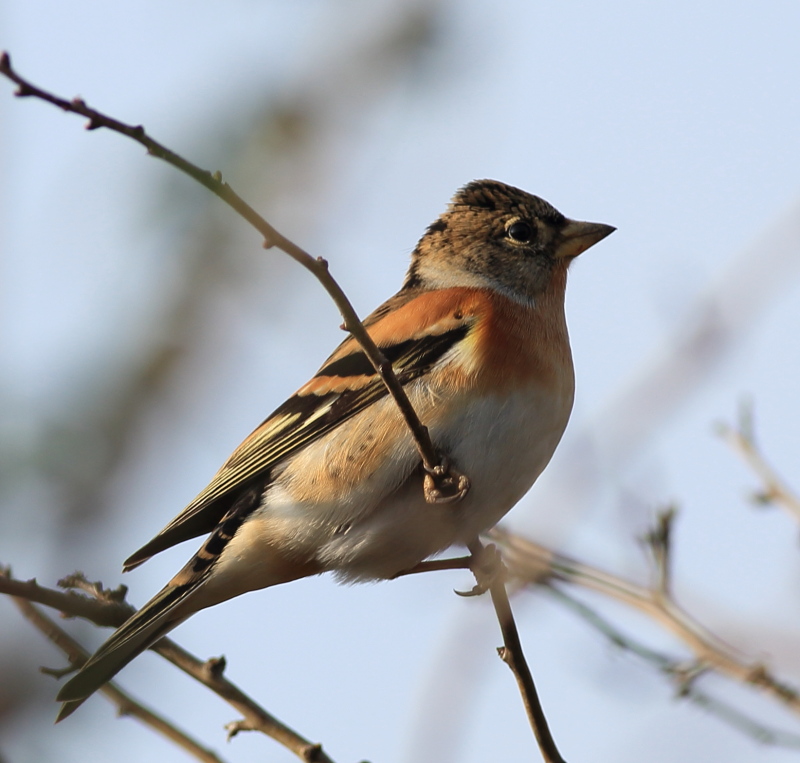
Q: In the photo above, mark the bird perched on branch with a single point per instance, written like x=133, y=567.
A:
x=333, y=481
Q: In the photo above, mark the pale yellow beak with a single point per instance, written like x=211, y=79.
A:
x=577, y=237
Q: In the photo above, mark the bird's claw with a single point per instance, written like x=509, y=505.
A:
x=445, y=484
x=486, y=566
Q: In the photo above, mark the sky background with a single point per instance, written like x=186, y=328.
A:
x=145, y=333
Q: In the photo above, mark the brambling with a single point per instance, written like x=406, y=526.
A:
x=332, y=480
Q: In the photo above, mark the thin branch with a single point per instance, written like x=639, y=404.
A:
x=534, y=563
x=682, y=673
x=108, y=610
x=488, y=563
x=443, y=483
x=126, y=705
x=742, y=440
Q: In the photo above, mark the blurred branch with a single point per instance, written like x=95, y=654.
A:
x=126, y=705
x=659, y=540
x=682, y=673
x=533, y=563
x=742, y=440
x=106, y=608
x=443, y=483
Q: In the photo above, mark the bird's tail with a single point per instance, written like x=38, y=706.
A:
x=165, y=611
x=156, y=618
x=205, y=580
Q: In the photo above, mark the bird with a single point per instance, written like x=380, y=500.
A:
x=332, y=481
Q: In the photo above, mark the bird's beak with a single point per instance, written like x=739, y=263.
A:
x=577, y=237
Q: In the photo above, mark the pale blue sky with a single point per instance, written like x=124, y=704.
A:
x=675, y=122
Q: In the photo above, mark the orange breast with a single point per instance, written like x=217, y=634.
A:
x=522, y=345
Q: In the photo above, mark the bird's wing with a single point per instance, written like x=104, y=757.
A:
x=414, y=331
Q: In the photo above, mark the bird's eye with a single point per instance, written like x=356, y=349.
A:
x=520, y=231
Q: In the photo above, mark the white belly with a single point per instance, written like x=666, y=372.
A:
x=379, y=529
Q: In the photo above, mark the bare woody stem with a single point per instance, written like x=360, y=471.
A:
x=108, y=609
x=126, y=705
x=511, y=652
x=443, y=483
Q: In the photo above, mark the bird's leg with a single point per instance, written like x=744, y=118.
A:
x=483, y=561
x=434, y=565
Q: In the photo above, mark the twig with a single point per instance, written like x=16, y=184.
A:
x=107, y=614
x=107, y=610
x=256, y=718
x=742, y=440
x=533, y=563
x=659, y=541
x=443, y=483
x=126, y=705
x=511, y=652
x=684, y=675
